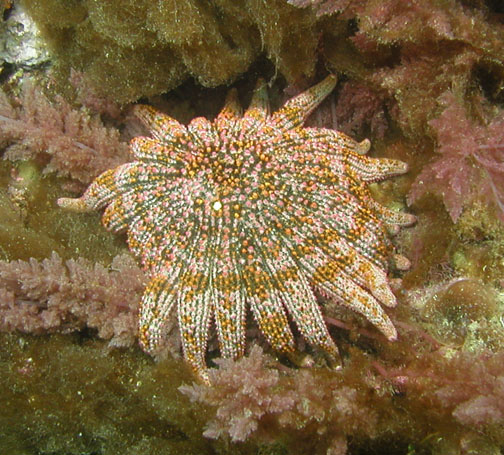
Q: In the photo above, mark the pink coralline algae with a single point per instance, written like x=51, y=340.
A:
x=471, y=162
x=71, y=142
x=56, y=296
x=256, y=397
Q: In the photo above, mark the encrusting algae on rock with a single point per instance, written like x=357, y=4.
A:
x=251, y=211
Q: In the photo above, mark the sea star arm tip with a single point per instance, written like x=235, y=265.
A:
x=74, y=204
x=295, y=111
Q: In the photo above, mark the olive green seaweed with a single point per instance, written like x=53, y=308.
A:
x=135, y=48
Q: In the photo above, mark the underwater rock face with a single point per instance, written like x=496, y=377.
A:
x=20, y=41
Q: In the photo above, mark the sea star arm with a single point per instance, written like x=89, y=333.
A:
x=230, y=295
x=269, y=313
x=196, y=304
x=264, y=292
x=156, y=308
x=301, y=303
x=329, y=280
x=230, y=311
x=98, y=194
x=194, y=315
x=258, y=109
x=295, y=111
x=392, y=217
x=362, y=271
x=171, y=155
x=161, y=126
x=231, y=112
x=374, y=169
x=140, y=189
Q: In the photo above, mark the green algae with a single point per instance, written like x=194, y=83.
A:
x=481, y=236
x=32, y=225
x=72, y=395
x=131, y=49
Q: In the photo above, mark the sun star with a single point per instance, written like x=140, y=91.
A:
x=250, y=211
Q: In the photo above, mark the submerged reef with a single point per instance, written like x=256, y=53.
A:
x=423, y=81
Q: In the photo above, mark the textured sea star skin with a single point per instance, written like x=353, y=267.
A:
x=250, y=211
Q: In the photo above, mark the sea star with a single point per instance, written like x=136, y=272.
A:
x=250, y=211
